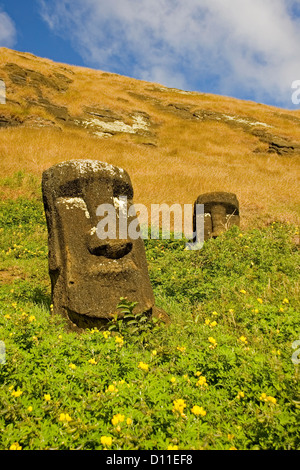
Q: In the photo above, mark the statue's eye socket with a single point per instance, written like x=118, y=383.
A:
x=70, y=189
x=122, y=189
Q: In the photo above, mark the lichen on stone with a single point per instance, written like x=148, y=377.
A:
x=74, y=202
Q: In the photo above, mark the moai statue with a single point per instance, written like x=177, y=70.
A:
x=2, y=92
x=221, y=211
x=89, y=274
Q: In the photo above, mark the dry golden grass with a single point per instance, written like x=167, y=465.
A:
x=189, y=157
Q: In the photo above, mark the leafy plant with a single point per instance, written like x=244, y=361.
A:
x=137, y=326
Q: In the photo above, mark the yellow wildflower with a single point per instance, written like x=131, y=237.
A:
x=118, y=418
x=47, y=397
x=267, y=398
x=201, y=382
x=285, y=301
x=92, y=361
x=213, y=342
x=181, y=348
x=198, y=411
x=112, y=389
x=31, y=318
x=72, y=366
x=213, y=324
x=17, y=393
x=260, y=300
x=171, y=447
x=240, y=395
x=243, y=339
x=106, y=441
x=143, y=366
x=94, y=330
x=154, y=352
x=128, y=421
x=29, y=409
x=276, y=352
x=64, y=417
x=242, y=291
x=173, y=380
x=119, y=340
x=179, y=406
x=15, y=446
x=106, y=334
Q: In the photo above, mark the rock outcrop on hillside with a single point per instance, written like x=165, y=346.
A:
x=34, y=98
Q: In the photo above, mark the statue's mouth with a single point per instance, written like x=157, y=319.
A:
x=106, y=266
x=87, y=321
x=102, y=267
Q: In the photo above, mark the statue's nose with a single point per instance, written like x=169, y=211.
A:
x=113, y=249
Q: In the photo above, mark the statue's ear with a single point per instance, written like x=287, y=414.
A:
x=54, y=256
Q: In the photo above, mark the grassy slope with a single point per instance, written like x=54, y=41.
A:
x=247, y=282
x=185, y=157
x=235, y=316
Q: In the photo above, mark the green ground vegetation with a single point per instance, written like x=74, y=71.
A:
x=221, y=376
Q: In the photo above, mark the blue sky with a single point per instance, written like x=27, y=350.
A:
x=247, y=49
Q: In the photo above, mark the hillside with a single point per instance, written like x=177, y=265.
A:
x=174, y=144
x=224, y=374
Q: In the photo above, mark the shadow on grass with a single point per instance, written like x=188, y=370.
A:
x=40, y=296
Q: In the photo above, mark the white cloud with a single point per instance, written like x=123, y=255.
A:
x=242, y=48
x=7, y=30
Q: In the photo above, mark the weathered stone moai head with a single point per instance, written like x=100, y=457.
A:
x=89, y=275
x=221, y=211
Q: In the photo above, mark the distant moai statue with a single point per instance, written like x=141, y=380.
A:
x=89, y=275
x=221, y=211
x=2, y=92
